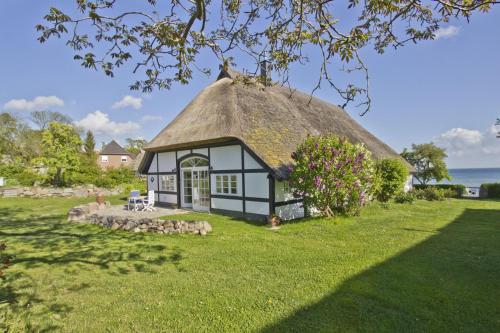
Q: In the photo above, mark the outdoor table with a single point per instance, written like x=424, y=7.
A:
x=136, y=202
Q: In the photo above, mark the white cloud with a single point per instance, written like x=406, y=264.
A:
x=458, y=140
x=147, y=118
x=470, y=147
x=447, y=32
x=128, y=101
x=99, y=123
x=38, y=103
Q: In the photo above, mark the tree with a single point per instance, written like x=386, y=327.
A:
x=89, y=145
x=392, y=174
x=43, y=118
x=168, y=38
x=8, y=133
x=61, y=151
x=332, y=175
x=134, y=146
x=428, y=160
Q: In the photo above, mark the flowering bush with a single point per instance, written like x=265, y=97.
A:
x=332, y=175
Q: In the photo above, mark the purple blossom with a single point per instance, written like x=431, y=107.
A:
x=317, y=181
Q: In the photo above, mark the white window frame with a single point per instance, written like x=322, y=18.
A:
x=168, y=183
x=226, y=184
x=104, y=158
x=124, y=158
x=286, y=187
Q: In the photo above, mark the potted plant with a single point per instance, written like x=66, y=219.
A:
x=100, y=198
x=274, y=220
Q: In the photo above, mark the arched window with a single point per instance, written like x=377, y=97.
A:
x=194, y=162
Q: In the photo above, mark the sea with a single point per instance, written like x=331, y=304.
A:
x=472, y=177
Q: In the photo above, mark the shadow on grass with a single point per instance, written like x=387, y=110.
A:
x=49, y=242
x=448, y=283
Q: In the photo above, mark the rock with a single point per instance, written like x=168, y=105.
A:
x=203, y=232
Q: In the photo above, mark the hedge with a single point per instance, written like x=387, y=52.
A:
x=459, y=188
x=490, y=190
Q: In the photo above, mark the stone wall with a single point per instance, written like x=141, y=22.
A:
x=46, y=192
x=89, y=213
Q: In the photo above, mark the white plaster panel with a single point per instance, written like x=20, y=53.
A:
x=280, y=194
x=256, y=207
x=250, y=162
x=152, y=167
x=408, y=184
x=166, y=161
x=170, y=198
x=181, y=153
x=227, y=204
x=225, y=158
x=290, y=212
x=256, y=185
x=203, y=151
x=152, y=183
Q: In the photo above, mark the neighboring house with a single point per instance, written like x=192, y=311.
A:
x=113, y=156
x=229, y=149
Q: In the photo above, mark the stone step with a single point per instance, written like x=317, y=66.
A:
x=9, y=193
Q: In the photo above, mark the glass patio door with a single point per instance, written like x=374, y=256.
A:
x=195, y=190
x=201, y=191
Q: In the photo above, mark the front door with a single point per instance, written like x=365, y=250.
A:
x=195, y=189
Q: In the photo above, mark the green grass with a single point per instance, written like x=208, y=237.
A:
x=431, y=266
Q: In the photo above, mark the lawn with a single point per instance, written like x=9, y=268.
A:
x=430, y=266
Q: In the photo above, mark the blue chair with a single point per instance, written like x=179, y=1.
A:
x=134, y=200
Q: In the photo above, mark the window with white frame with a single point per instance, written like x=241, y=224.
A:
x=167, y=183
x=104, y=158
x=226, y=184
x=286, y=186
x=124, y=158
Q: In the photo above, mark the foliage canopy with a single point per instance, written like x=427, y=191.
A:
x=166, y=38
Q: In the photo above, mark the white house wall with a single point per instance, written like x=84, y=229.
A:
x=290, y=212
x=255, y=207
x=408, y=184
x=225, y=158
x=280, y=194
x=152, y=167
x=166, y=162
x=168, y=198
x=182, y=153
x=256, y=185
x=227, y=204
x=250, y=162
x=202, y=151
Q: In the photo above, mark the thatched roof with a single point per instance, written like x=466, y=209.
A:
x=270, y=120
x=113, y=148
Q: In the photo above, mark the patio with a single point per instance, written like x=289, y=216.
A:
x=123, y=212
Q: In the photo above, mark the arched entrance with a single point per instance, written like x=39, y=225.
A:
x=195, y=189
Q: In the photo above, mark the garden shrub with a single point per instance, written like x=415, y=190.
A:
x=405, y=197
x=391, y=177
x=333, y=175
x=430, y=194
x=490, y=190
x=453, y=190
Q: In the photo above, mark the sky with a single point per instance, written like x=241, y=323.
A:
x=446, y=90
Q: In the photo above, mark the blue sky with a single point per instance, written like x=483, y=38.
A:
x=446, y=90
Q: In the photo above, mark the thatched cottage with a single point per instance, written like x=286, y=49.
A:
x=228, y=150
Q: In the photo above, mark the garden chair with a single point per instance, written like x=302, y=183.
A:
x=134, y=200
x=149, y=203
